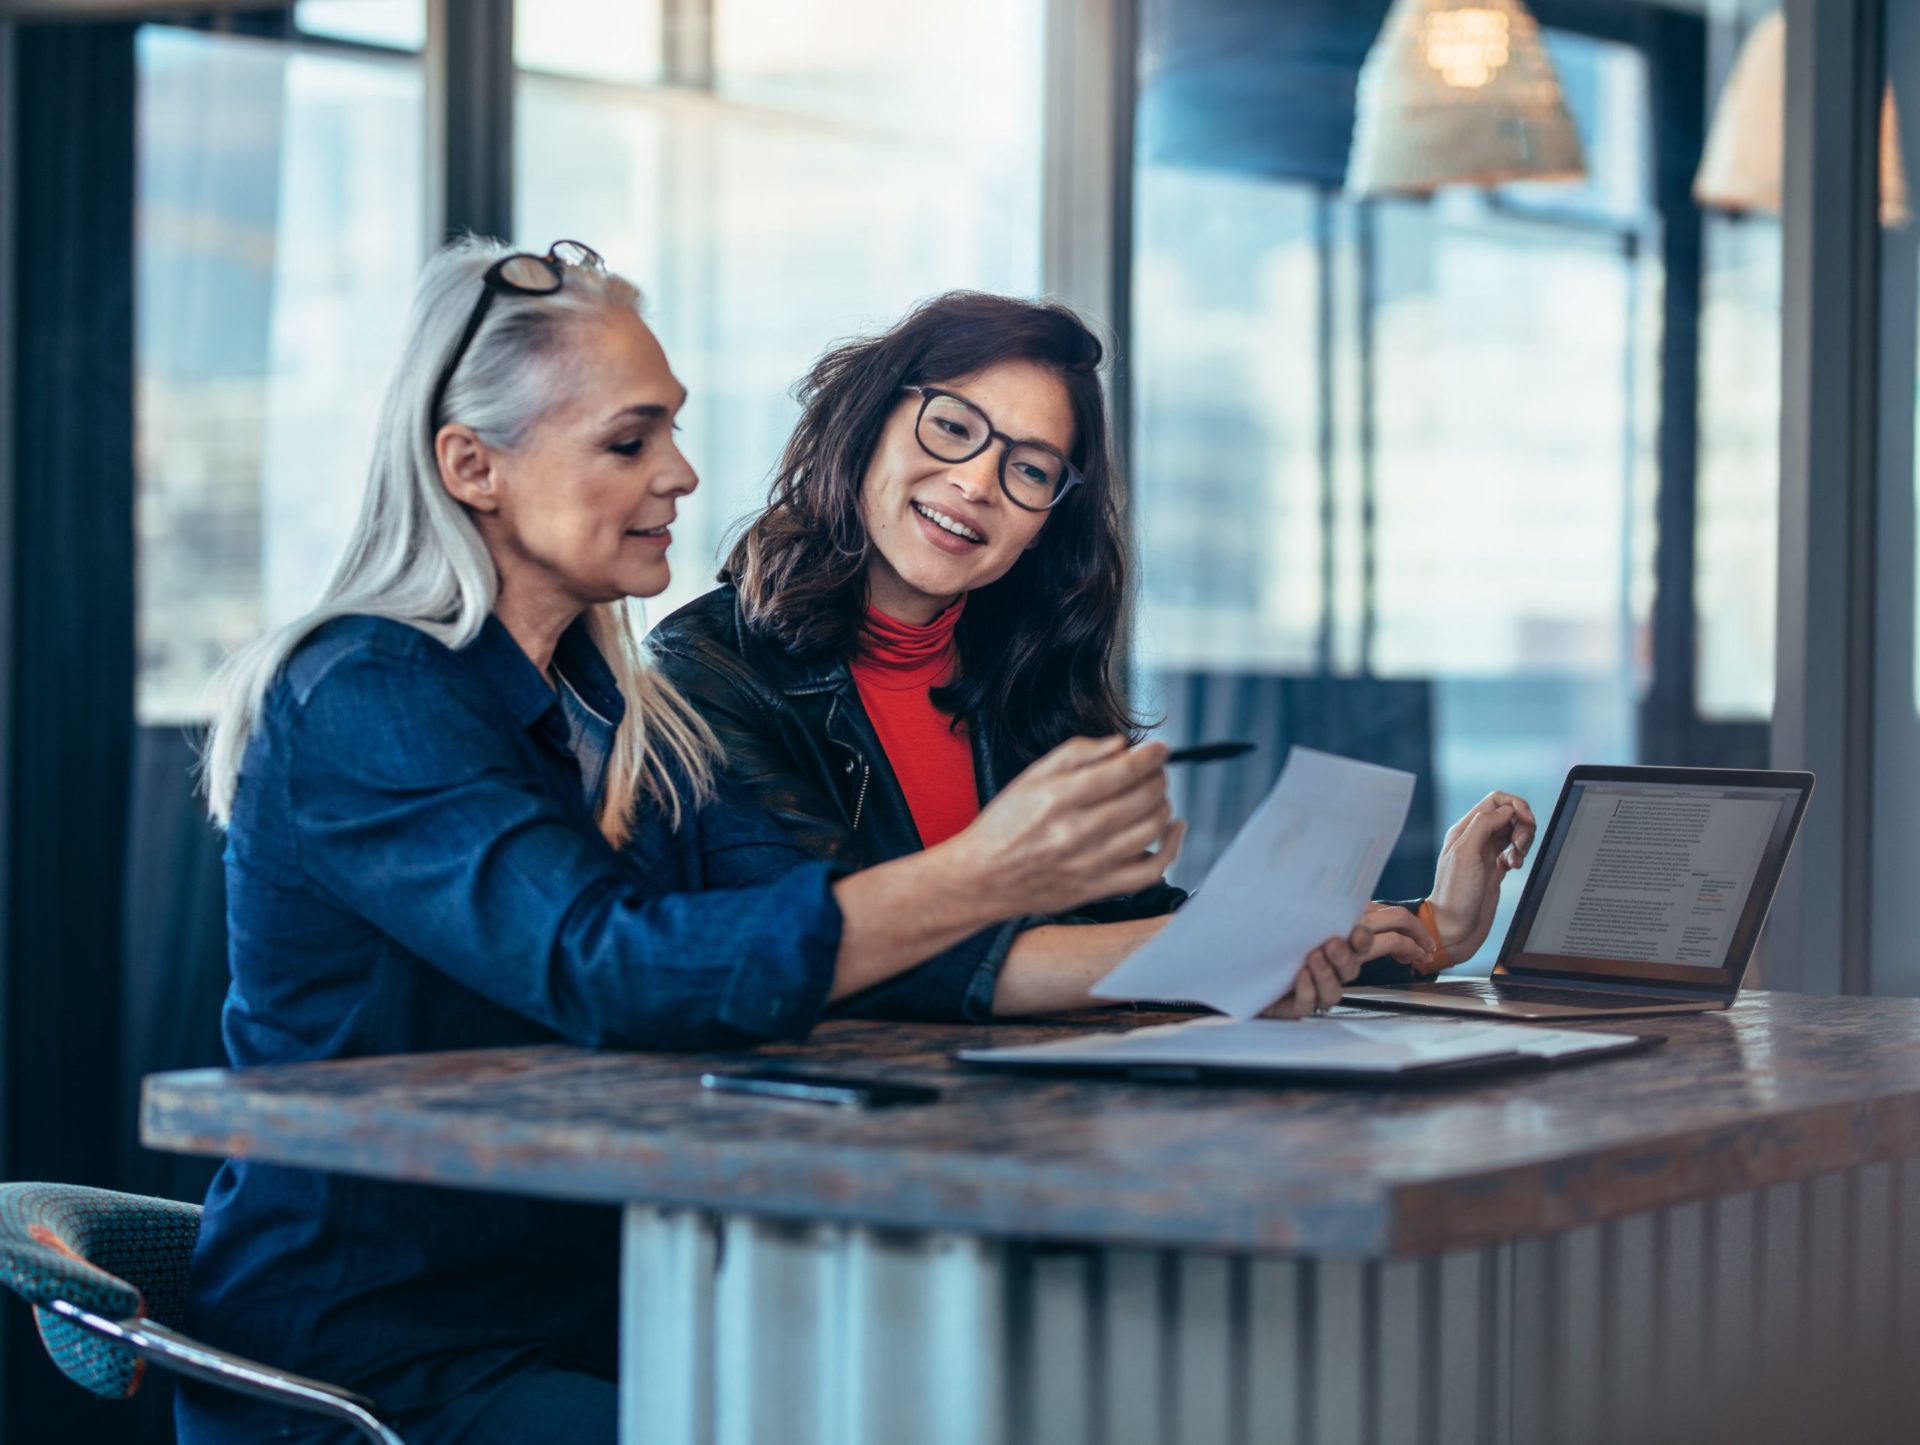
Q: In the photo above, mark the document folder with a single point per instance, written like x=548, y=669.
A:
x=1385, y=1049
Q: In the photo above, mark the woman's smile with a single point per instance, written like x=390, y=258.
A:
x=945, y=530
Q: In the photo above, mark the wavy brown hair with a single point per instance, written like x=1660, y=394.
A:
x=1039, y=647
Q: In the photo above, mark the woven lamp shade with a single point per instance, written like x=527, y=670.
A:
x=1742, y=166
x=1459, y=92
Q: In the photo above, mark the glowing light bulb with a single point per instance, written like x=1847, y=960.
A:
x=1467, y=48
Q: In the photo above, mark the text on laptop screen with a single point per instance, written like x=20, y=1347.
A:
x=1655, y=872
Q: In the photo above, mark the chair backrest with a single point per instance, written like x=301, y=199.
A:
x=106, y=1275
x=113, y=1255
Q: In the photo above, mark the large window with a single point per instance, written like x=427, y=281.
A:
x=279, y=230
x=1739, y=513
x=806, y=175
x=1401, y=463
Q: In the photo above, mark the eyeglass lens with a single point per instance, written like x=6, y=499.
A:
x=530, y=273
x=540, y=275
x=954, y=430
x=577, y=253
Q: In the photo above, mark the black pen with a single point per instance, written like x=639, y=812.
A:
x=1209, y=752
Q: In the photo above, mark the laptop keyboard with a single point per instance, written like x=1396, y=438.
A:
x=1539, y=993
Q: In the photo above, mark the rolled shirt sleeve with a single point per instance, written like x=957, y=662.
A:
x=957, y=984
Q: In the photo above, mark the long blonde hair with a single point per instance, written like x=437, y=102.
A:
x=416, y=556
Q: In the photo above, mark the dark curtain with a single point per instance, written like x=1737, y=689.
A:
x=66, y=676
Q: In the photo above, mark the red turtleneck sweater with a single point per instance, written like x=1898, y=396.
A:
x=896, y=667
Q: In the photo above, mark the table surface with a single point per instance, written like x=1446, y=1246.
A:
x=1781, y=1087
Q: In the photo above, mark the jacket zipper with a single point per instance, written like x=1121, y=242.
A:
x=866, y=773
x=853, y=756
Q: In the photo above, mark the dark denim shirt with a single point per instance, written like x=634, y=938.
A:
x=413, y=864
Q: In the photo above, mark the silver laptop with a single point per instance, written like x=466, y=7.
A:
x=1648, y=897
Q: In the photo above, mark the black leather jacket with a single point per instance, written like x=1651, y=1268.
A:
x=800, y=744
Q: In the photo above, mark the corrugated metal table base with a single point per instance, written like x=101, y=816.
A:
x=1790, y=1313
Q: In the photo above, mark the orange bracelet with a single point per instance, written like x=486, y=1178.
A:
x=1441, y=958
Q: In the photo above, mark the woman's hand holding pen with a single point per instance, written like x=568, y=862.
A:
x=1089, y=820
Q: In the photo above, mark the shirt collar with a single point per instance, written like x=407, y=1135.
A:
x=527, y=695
x=588, y=674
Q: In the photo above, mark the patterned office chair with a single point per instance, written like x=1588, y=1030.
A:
x=106, y=1272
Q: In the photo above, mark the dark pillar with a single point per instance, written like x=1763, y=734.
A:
x=66, y=642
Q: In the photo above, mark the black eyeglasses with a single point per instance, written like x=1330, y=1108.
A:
x=522, y=274
x=952, y=429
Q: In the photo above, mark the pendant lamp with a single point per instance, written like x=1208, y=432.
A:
x=1459, y=92
x=1742, y=166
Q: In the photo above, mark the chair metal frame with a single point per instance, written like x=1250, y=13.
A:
x=174, y=1351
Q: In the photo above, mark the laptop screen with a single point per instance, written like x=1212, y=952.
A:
x=1656, y=874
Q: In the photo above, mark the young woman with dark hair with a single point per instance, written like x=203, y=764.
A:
x=936, y=595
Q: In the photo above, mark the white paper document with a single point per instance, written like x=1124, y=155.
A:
x=1301, y=871
x=1315, y=1045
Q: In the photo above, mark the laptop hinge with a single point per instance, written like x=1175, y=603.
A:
x=1639, y=988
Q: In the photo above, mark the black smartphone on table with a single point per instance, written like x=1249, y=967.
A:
x=780, y=1081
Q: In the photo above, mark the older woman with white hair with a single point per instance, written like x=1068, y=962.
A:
x=463, y=812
